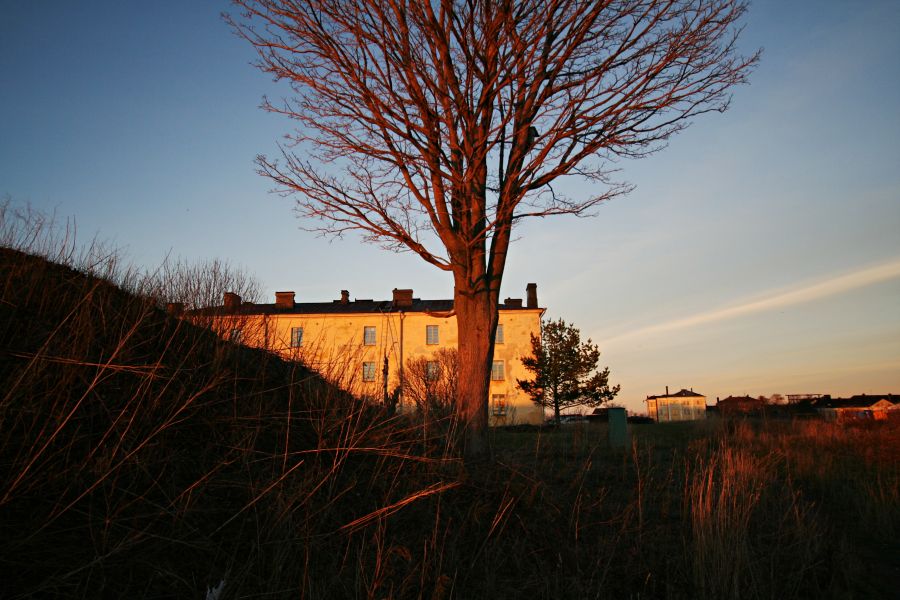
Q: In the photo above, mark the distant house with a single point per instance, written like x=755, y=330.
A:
x=686, y=405
x=733, y=406
x=861, y=407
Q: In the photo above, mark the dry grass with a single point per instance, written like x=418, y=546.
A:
x=714, y=509
x=144, y=457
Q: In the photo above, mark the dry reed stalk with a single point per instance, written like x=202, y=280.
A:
x=721, y=495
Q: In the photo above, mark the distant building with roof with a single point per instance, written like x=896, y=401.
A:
x=740, y=405
x=686, y=405
x=364, y=345
x=860, y=407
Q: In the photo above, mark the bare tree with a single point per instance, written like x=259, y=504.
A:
x=434, y=126
x=431, y=382
x=202, y=284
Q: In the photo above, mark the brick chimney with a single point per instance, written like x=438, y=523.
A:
x=667, y=390
x=531, y=295
x=231, y=301
x=403, y=298
x=513, y=303
x=345, y=297
x=284, y=299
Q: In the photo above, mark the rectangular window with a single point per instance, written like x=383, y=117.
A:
x=498, y=404
x=296, y=337
x=497, y=372
x=431, y=334
x=431, y=370
x=369, y=335
x=498, y=337
x=369, y=371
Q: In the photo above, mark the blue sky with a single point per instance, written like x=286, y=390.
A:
x=758, y=254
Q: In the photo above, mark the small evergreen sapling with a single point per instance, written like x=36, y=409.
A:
x=565, y=370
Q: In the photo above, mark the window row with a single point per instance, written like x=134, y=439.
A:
x=432, y=370
x=432, y=335
x=370, y=335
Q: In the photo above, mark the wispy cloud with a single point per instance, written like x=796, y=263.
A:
x=775, y=300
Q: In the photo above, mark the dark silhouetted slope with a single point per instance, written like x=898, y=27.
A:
x=140, y=454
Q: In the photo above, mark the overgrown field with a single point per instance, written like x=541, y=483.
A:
x=143, y=457
x=739, y=509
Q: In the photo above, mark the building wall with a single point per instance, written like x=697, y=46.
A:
x=333, y=344
x=878, y=411
x=670, y=409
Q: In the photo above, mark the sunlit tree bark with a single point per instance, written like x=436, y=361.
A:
x=434, y=126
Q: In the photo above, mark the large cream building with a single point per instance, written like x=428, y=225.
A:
x=363, y=344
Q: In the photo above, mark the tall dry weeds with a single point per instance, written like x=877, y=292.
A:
x=143, y=456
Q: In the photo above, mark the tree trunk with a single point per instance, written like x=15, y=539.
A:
x=476, y=318
x=556, y=406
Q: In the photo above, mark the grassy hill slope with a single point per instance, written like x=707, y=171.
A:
x=145, y=457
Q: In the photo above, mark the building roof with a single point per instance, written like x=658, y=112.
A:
x=859, y=401
x=682, y=394
x=741, y=400
x=337, y=307
x=741, y=404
